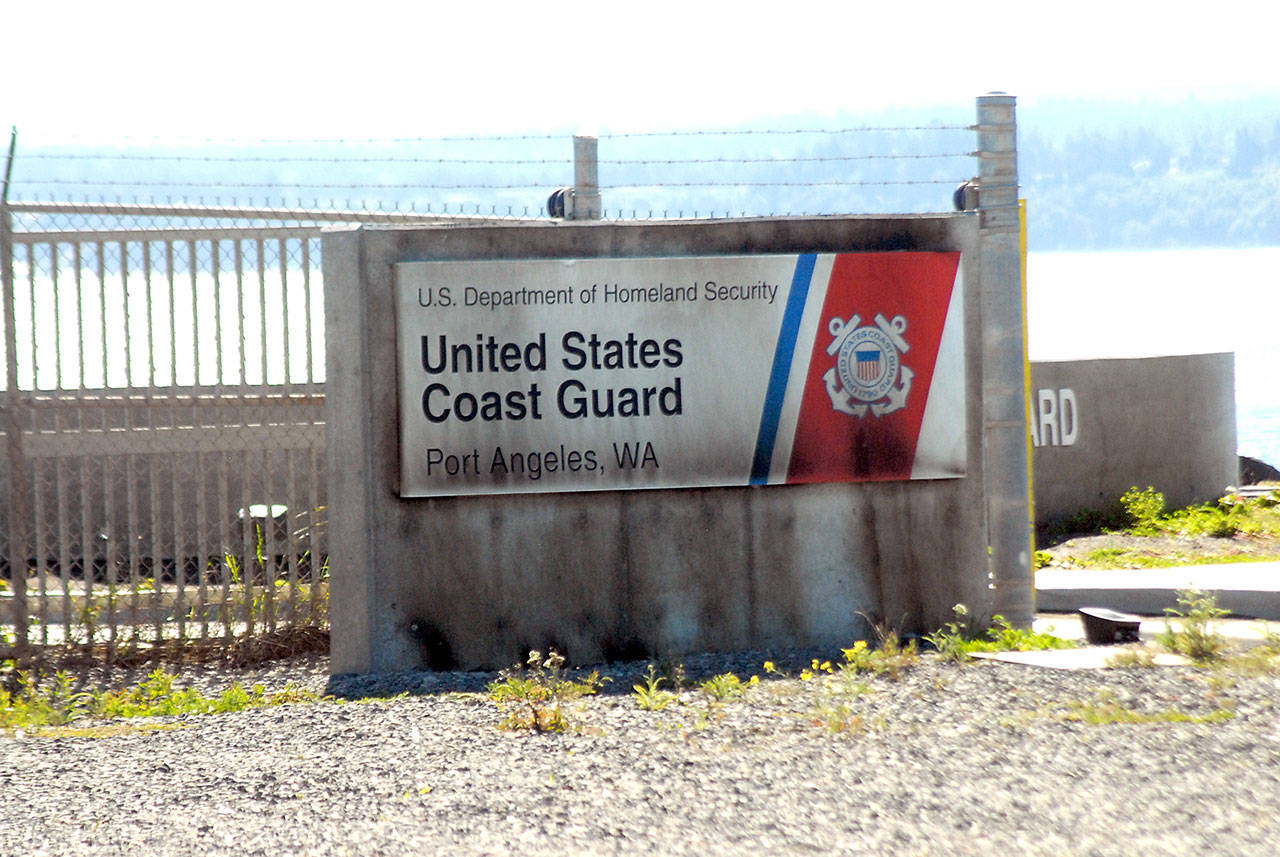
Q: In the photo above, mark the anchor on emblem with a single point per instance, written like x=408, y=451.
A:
x=868, y=375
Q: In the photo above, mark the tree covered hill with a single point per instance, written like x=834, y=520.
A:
x=1102, y=175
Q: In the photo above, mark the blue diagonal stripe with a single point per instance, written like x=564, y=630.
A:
x=782, y=358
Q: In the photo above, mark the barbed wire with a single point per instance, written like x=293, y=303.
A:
x=787, y=131
x=821, y=159
x=828, y=183
x=412, y=186
x=338, y=141
x=492, y=183
x=488, y=161
x=365, y=210
x=559, y=136
x=228, y=159
x=186, y=207
x=271, y=186
x=120, y=220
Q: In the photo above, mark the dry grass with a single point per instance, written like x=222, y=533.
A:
x=239, y=654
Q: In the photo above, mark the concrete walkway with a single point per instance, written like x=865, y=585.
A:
x=1239, y=634
x=1247, y=589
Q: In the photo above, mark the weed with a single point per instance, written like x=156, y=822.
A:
x=1131, y=659
x=1143, y=507
x=1113, y=518
x=533, y=697
x=955, y=642
x=1194, y=638
x=1003, y=637
x=838, y=718
x=89, y=613
x=1106, y=710
x=673, y=674
x=950, y=639
x=702, y=717
x=650, y=696
x=106, y=730
x=716, y=691
x=1270, y=639
x=1041, y=559
x=1104, y=558
x=1141, y=512
x=890, y=658
x=860, y=657
x=722, y=687
x=1257, y=661
x=57, y=704
x=1260, y=660
x=29, y=706
x=840, y=683
x=816, y=669
x=1209, y=520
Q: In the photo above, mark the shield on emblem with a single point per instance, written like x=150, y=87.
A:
x=869, y=364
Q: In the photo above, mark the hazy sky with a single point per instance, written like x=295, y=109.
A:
x=249, y=70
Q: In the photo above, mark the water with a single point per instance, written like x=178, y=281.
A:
x=1084, y=305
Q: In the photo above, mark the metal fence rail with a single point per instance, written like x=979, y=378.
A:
x=164, y=433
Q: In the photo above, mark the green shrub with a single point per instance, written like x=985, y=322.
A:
x=1143, y=507
x=1196, y=637
x=1110, y=519
x=1141, y=512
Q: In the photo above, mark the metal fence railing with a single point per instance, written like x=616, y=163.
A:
x=164, y=434
x=163, y=472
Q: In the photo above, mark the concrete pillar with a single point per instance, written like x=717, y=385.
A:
x=584, y=203
x=1003, y=382
x=13, y=418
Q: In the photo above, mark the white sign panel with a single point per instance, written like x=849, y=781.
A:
x=604, y=374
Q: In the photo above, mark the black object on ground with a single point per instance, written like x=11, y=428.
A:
x=1104, y=626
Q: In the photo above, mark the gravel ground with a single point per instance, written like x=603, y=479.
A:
x=984, y=758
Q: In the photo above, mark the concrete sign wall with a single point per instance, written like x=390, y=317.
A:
x=621, y=373
x=478, y=579
x=1101, y=427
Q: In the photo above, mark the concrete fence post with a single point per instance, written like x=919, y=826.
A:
x=13, y=418
x=584, y=203
x=1003, y=382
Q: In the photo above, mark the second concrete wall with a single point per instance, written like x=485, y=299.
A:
x=1102, y=427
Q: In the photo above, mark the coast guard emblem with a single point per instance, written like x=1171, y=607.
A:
x=868, y=375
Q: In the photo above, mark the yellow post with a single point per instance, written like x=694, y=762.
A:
x=1026, y=360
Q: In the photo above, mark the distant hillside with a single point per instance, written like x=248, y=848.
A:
x=1101, y=175
x=1096, y=174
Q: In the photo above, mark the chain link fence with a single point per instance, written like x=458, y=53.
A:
x=163, y=398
